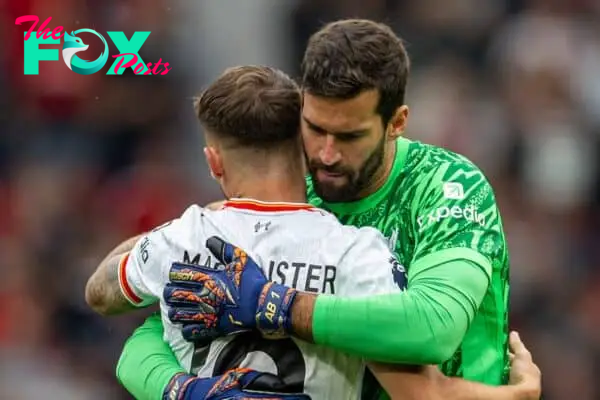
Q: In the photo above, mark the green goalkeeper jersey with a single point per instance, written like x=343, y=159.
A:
x=440, y=217
x=437, y=205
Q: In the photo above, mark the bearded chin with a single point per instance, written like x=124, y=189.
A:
x=335, y=194
x=357, y=183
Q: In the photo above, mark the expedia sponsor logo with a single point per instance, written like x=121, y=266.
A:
x=456, y=212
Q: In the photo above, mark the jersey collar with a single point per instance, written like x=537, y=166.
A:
x=265, y=206
x=364, y=204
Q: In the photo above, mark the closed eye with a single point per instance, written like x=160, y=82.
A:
x=342, y=136
x=316, y=129
x=349, y=137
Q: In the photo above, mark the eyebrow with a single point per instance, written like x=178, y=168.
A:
x=320, y=129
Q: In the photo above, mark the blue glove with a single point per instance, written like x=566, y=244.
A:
x=235, y=384
x=237, y=298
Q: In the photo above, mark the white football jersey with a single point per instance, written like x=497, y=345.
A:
x=297, y=245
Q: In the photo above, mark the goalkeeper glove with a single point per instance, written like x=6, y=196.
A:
x=237, y=298
x=235, y=384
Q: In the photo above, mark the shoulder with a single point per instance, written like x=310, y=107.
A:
x=453, y=210
x=363, y=240
x=437, y=175
x=363, y=234
x=428, y=163
x=374, y=266
x=193, y=212
x=445, y=192
x=185, y=222
x=175, y=232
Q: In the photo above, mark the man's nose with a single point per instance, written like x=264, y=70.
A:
x=329, y=154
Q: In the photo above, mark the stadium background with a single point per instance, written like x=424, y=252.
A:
x=86, y=161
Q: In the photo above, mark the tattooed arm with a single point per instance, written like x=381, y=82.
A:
x=132, y=275
x=103, y=291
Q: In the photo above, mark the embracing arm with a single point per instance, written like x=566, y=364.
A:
x=103, y=291
x=450, y=271
x=147, y=363
x=122, y=283
x=427, y=382
x=422, y=325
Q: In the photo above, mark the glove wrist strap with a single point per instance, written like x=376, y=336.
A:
x=177, y=386
x=273, y=311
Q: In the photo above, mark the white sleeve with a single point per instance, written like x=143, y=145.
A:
x=140, y=270
x=369, y=267
x=144, y=271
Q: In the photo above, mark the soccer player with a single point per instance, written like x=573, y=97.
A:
x=436, y=208
x=255, y=150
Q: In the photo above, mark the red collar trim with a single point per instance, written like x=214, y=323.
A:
x=255, y=205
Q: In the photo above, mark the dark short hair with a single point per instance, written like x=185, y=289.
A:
x=347, y=57
x=252, y=106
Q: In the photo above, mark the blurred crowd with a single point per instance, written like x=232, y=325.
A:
x=87, y=161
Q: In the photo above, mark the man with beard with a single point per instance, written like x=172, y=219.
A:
x=436, y=208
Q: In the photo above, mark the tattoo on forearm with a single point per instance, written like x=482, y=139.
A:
x=103, y=291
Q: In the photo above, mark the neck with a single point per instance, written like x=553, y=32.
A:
x=271, y=189
x=382, y=174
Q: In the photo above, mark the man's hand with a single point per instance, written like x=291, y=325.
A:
x=237, y=298
x=236, y=384
x=524, y=374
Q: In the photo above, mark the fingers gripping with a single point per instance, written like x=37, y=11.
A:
x=191, y=284
x=189, y=273
x=233, y=257
x=231, y=299
x=517, y=347
x=194, y=298
x=222, y=250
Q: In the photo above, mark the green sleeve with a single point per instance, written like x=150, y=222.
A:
x=147, y=363
x=423, y=325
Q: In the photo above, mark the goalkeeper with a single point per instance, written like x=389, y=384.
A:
x=436, y=208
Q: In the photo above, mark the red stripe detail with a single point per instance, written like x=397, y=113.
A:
x=127, y=290
x=266, y=207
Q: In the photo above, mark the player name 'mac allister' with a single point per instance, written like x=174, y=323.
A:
x=303, y=276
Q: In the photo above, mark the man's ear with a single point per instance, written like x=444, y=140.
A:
x=214, y=161
x=397, y=123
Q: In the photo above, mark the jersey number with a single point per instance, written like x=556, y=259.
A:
x=285, y=354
